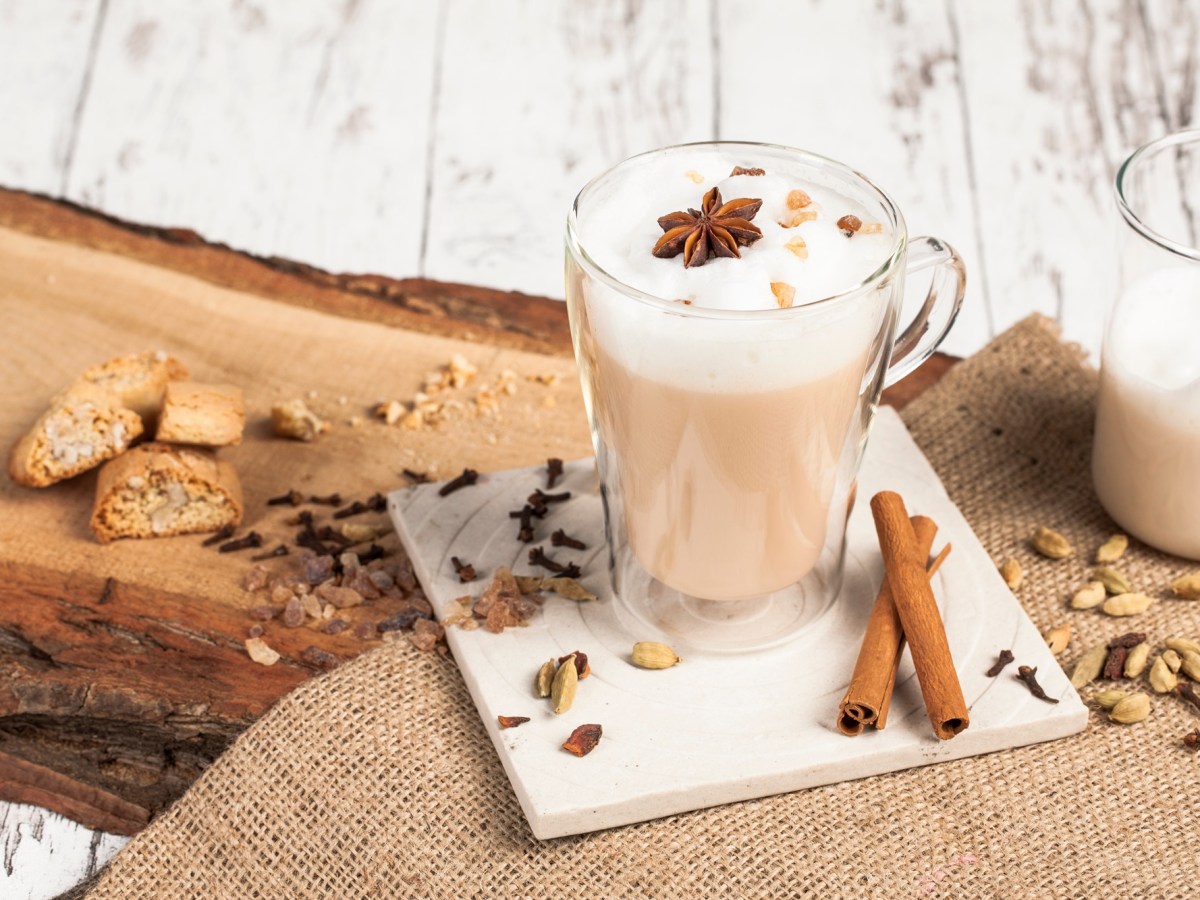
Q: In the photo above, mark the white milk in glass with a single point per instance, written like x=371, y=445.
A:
x=1146, y=463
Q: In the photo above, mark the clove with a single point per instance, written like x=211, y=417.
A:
x=1191, y=740
x=1028, y=674
x=1002, y=660
x=415, y=477
x=224, y=533
x=561, y=539
x=1114, y=664
x=525, y=533
x=291, y=498
x=371, y=554
x=466, y=571
x=540, y=498
x=538, y=557
x=468, y=477
x=554, y=470
x=331, y=500
x=377, y=502
x=1188, y=693
x=253, y=539
x=354, y=509
x=1132, y=639
x=281, y=550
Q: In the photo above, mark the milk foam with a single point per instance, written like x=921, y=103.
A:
x=618, y=228
x=1152, y=338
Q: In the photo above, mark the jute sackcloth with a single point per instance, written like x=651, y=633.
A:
x=379, y=780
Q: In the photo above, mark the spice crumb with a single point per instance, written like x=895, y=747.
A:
x=583, y=740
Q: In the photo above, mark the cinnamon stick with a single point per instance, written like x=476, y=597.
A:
x=879, y=656
x=906, y=576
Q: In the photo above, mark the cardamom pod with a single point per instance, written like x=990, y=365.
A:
x=1089, y=666
x=1172, y=659
x=1191, y=664
x=1135, y=662
x=1183, y=645
x=1127, y=604
x=1131, y=709
x=1109, y=699
x=1051, y=544
x=545, y=678
x=1162, y=679
x=1114, y=582
x=653, y=655
x=1187, y=586
x=1058, y=637
x=562, y=689
x=1090, y=595
x=1010, y=571
x=1112, y=549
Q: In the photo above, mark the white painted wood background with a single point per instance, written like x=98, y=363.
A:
x=447, y=139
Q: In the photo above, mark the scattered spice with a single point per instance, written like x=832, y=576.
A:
x=1050, y=544
x=254, y=631
x=554, y=470
x=335, y=626
x=1109, y=699
x=1191, y=740
x=1129, y=639
x=426, y=634
x=1127, y=604
x=849, y=225
x=561, y=539
x=525, y=531
x=798, y=199
x=1133, y=708
x=322, y=659
x=501, y=604
x=545, y=678
x=281, y=550
x=1135, y=662
x=467, y=478
x=293, y=613
x=253, y=539
x=1114, y=582
x=784, y=293
x=224, y=533
x=261, y=652
x=1187, y=587
x=354, y=509
x=330, y=500
x=1005, y=657
x=583, y=740
x=653, y=655
x=564, y=685
x=716, y=229
x=1089, y=596
x=264, y=613
x=415, y=477
x=1058, y=637
x=539, y=499
x=371, y=554
x=1112, y=549
x=1114, y=665
x=1010, y=571
x=366, y=631
x=567, y=588
x=538, y=557
x=1162, y=679
x=1028, y=674
x=582, y=669
x=466, y=571
x=512, y=721
x=291, y=498
x=1188, y=693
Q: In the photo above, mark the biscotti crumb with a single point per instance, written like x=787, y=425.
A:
x=293, y=419
x=209, y=415
x=84, y=426
x=157, y=490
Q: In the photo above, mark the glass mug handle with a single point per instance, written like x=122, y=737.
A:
x=928, y=328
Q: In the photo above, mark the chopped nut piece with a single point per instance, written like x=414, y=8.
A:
x=798, y=246
x=742, y=170
x=871, y=228
x=849, y=225
x=583, y=740
x=798, y=199
x=391, y=412
x=1112, y=549
x=260, y=652
x=512, y=721
x=784, y=293
x=293, y=419
x=799, y=218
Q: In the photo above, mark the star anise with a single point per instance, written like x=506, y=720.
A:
x=716, y=229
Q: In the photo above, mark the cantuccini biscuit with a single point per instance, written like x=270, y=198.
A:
x=85, y=425
x=212, y=415
x=138, y=380
x=156, y=490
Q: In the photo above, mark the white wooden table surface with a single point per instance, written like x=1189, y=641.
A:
x=447, y=140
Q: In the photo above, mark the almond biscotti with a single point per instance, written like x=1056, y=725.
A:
x=138, y=380
x=156, y=490
x=211, y=415
x=84, y=426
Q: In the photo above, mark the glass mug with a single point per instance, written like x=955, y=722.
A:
x=728, y=442
x=1146, y=455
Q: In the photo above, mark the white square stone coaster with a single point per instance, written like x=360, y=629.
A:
x=718, y=728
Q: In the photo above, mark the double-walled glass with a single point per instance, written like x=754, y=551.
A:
x=1146, y=462
x=728, y=442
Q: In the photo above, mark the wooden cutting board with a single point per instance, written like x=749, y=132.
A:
x=122, y=668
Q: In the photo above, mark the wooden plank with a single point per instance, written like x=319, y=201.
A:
x=875, y=85
x=44, y=60
x=1045, y=164
x=573, y=88
x=282, y=128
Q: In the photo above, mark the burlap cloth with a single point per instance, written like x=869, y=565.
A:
x=379, y=780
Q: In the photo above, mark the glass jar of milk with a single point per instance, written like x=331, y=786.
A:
x=1146, y=461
